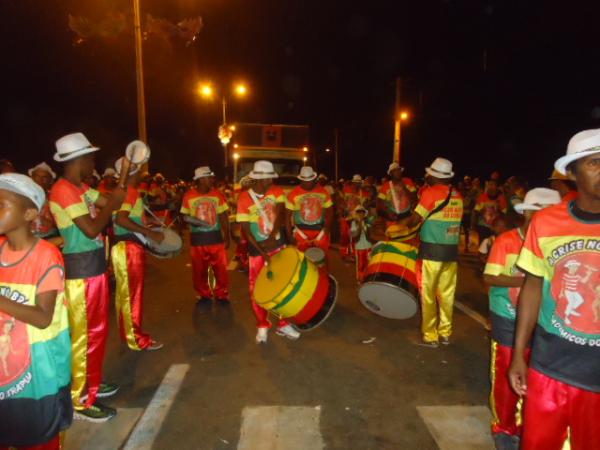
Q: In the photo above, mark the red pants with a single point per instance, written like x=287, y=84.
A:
x=504, y=403
x=554, y=410
x=203, y=257
x=346, y=243
x=52, y=444
x=362, y=261
x=88, y=319
x=255, y=264
x=241, y=252
x=129, y=264
x=311, y=235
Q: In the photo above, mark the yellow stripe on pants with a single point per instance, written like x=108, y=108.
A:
x=438, y=287
x=77, y=307
x=122, y=294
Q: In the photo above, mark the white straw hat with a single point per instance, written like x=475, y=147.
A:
x=307, y=174
x=25, y=186
x=440, y=168
x=357, y=179
x=73, y=146
x=42, y=166
x=538, y=198
x=202, y=172
x=263, y=170
x=584, y=143
x=109, y=172
x=394, y=166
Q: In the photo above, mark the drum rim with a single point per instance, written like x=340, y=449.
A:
x=333, y=294
x=415, y=300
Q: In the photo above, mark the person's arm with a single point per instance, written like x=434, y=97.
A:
x=93, y=227
x=252, y=240
x=528, y=310
x=279, y=218
x=122, y=219
x=503, y=280
x=328, y=220
x=289, y=227
x=224, y=219
x=39, y=315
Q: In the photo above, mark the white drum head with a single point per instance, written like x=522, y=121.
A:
x=387, y=300
x=315, y=254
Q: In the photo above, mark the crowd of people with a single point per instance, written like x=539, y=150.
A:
x=64, y=238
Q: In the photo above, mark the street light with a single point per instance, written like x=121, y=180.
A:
x=236, y=156
x=402, y=116
x=225, y=133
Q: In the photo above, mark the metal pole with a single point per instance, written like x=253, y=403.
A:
x=397, y=126
x=336, y=135
x=235, y=170
x=224, y=125
x=139, y=71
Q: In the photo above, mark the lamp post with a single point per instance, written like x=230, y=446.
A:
x=236, y=157
x=225, y=133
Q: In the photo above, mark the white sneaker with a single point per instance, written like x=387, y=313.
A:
x=261, y=335
x=289, y=332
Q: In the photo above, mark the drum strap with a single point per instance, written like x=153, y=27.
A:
x=441, y=206
x=261, y=210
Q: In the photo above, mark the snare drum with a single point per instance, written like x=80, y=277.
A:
x=389, y=287
x=293, y=287
x=316, y=255
x=168, y=248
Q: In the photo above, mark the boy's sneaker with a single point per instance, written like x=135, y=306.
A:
x=96, y=413
x=430, y=344
x=444, y=340
x=261, y=335
x=105, y=390
x=154, y=345
x=289, y=332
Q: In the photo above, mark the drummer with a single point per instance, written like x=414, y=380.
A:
x=439, y=210
x=261, y=212
x=128, y=258
x=310, y=212
x=396, y=197
x=205, y=209
x=352, y=196
x=73, y=205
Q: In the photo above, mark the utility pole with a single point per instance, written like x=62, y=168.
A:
x=225, y=125
x=336, y=137
x=139, y=71
x=397, y=124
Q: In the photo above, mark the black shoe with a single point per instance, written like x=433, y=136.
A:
x=203, y=301
x=97, y=413
x=503, y=441
x=104, y=390
x=223, y=301
x=445, y=340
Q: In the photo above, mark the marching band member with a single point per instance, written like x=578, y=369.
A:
x=360, y=225
x=73, y=205
x=505, y=281
x=439, y=211
x=108, y=182
x=310, y=212
x=205, y=209
x=158, y=199
x=261, y=211
x=396, y=197
x=558, y=308
x=128, y=258
x=353, y=196
x=44, y=225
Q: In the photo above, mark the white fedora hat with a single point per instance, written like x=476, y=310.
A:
x=440, y=168
x=42, y=166
x=307, y=174
x=394, y=166
x=110, y=172
x=538, y=198
x=119, y=164
x=357, y=179
x=584, y=143
x=202, y=172
x=73, y=146
x=263, y=170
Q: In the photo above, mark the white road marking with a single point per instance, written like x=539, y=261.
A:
x=458, y=427
x=147, y=428
x=280, y=428
x=471, y=313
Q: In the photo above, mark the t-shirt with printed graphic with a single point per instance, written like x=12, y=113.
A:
x=563, y=249
x=397, y=200
x=440, y=231
x=134, y=205
x=353, y=198
x=309, y=207
x=84, y=257
x=205, y=208
x=35, y=364
x=490, y=208
x=503, y=300
x=261, y=223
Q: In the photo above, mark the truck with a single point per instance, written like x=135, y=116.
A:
x=286, y=146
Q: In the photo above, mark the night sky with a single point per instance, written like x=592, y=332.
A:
x=323, y=63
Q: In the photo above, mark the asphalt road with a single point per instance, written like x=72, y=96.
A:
x=367, y=394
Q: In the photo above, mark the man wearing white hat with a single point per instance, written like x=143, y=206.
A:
x=205, y=209
x=73, y=205
x=439, y=212
x=310, y=212
x=505, y=281
x=261, y=212
x=44, y=225
x=128, y=258
x=353, y=196
x=158, y=199
x=563, y=185
x=562, y=253
x=396, y=196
